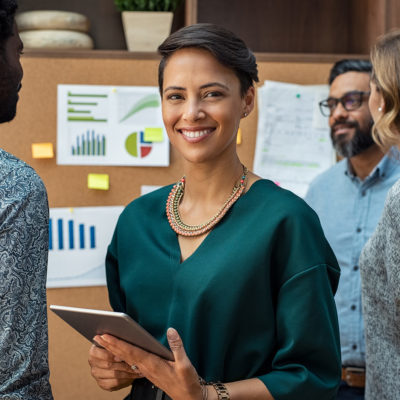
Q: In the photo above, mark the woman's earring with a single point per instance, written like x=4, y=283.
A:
x=245, y=114
x=380, y=109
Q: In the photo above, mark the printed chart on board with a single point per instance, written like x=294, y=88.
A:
x=78, y=241
x=293, y=140
x=110, y=125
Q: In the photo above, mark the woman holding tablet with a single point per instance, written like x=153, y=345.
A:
x=236, y=265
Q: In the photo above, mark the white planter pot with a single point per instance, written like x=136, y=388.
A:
x=145, y=31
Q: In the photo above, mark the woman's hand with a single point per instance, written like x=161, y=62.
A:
x=110, y=372
x=177, y=378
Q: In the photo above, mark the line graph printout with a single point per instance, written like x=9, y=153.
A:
x=107, y=125
x=78, y=241
x=293, y=139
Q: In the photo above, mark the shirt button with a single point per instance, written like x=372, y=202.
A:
x=358, y=230
x=354, y=347
x=355, y=268
x=363, y=193
x=353, y=307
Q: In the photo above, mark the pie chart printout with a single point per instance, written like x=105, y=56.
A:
x=136, y=146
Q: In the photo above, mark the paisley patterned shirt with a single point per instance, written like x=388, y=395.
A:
x=24, y=372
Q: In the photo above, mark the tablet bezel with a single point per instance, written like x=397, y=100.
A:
x=90, y=322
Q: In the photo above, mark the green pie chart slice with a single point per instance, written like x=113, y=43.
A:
x=131, y=144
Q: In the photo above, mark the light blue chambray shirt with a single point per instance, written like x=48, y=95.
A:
x=349, y=210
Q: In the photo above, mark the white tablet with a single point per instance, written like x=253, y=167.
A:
x=90, y=323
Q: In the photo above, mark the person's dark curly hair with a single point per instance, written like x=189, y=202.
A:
x=7, y=12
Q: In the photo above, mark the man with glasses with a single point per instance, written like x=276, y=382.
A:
x=349, y=199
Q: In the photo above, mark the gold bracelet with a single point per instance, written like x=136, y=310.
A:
x=221, y=390
x=204, y=391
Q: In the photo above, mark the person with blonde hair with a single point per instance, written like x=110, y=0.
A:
x=380, y=258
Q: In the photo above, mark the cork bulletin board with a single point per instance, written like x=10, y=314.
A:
x=36, y=121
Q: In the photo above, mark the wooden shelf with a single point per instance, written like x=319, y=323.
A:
x=304, y=26
x=116, y=54
x=267, y=26
x=122, y=54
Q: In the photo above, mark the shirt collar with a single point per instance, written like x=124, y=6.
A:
x=382, y=169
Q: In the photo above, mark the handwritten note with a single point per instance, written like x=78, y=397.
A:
x=293, y=144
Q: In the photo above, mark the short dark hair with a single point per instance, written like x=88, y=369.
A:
x=224, y=45
x=7, y=12
x=348, y=65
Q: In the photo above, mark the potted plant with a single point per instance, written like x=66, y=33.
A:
x=146, y=22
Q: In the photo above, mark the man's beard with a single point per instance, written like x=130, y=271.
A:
x=362, y=139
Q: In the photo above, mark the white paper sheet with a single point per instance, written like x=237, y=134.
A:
x=106, y=125
x=293, y=138
x=78, y=241
x=145, y=189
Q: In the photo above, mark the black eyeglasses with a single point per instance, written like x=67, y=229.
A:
x=350, y=102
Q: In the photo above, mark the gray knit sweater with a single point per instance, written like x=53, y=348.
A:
x=380, y=273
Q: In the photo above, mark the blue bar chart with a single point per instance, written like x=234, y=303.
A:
x=78, y=241
x=61, y=237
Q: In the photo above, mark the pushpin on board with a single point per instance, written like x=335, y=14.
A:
x=239, y=136
x=98, y=181
x=298, y=95
x=42, y=150
x=153, y=135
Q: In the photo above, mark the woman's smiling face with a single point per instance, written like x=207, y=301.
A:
x=202, y=105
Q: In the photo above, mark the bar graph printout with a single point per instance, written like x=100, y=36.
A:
x=293, y=138
x=78, y=241
x=107, y=125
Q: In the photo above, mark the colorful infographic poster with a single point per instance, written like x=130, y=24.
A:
x=78, y=241
x=110, y=125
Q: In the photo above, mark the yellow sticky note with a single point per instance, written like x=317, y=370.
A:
x=98, y=181
x=42, y=150
x=153, y=135
x=239, y=137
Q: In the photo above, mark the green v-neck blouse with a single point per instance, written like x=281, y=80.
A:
x=254, y=300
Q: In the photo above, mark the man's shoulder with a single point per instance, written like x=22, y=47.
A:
x=9, y=162
x=12, y=166
x=19, y=182
x=329, y=177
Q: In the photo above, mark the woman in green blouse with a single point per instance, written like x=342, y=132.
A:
x=233, y=272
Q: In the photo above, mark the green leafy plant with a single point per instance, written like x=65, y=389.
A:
x=147, y=5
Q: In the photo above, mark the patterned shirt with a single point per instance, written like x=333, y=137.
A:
x=349, y=210
x=24, y=372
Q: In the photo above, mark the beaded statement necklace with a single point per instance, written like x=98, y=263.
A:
x=175, y=198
